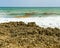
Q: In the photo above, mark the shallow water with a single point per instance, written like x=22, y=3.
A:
x=11, y=12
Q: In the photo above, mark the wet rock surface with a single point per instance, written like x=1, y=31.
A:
x=22, y=35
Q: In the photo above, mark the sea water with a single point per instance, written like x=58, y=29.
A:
x=13, y=12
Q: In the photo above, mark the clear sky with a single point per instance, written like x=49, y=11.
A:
x=29, y=3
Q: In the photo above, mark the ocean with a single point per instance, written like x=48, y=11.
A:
x=16, y=12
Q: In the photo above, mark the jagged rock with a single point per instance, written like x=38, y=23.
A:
x=21, y=35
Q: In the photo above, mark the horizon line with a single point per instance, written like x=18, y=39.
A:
x=10, y=6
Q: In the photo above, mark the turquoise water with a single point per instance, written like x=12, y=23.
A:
x=11, y=12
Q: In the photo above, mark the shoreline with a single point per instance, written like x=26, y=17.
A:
x=50, y=21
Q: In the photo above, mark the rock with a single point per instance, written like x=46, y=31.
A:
x=22, y=35
x=31, y=24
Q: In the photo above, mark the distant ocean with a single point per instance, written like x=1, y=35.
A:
x=12, y=12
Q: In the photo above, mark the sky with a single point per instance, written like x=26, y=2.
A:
x=29, y=3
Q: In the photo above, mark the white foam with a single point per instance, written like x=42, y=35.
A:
x=51, y=21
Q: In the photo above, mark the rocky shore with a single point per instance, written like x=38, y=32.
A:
x=30, y=35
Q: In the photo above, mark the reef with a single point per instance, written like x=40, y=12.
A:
x=30, y=35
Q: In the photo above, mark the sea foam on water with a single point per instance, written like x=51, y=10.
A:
x=48, y=21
